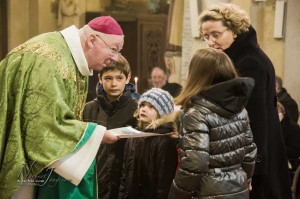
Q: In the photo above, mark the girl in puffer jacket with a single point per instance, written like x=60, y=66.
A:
x=217, y=150
x=150, y=162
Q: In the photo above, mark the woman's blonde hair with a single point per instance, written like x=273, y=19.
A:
x=231, y=15
x=207, y=67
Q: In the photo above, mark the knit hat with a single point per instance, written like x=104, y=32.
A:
x=106, y=24
x=160, y=99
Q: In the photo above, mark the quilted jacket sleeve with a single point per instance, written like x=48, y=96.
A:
x=251, y=151
x=194, y=148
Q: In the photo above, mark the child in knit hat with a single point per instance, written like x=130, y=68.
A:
x=150, y=162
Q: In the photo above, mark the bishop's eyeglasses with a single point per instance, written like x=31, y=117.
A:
x=113, y=51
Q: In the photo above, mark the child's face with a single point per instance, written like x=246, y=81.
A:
x=114, y=82
x=147, y=112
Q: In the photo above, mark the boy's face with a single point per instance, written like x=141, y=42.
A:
x=147, y=112
x=114, y=82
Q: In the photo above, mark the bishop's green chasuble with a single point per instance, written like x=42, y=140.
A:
x=42, y=94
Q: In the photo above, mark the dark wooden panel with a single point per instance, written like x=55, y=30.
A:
x=129, y=50
x=151, y=47
x=3, y=28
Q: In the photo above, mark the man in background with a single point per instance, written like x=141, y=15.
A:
x=290, y=105
x=159, y=79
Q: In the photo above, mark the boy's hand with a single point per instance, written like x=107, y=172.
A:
x=108, y=138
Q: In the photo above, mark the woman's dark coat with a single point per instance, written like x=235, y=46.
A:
x=110, y=156
x=271, y=177
x=150, y=163
x=217, y=149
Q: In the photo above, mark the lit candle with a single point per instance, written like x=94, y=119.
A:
x=135, y=82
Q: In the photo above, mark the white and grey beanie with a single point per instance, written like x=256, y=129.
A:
x=160, y=99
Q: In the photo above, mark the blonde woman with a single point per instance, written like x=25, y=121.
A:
x=227, y=27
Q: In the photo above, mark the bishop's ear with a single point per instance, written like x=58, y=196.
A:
x=91, y=40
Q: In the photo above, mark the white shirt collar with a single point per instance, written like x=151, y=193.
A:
x=71, y=35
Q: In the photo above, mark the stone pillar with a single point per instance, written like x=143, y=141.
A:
x=291, y=80
x=187, y=42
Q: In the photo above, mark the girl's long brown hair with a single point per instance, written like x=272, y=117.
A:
x=207, y=67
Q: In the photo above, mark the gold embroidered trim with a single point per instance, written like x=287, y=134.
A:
x=81, y=83
x=44, y=49
x=41, y=48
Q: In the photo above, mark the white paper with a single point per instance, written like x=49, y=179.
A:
x=129, y=132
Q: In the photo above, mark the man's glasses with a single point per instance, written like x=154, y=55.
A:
x=214, y=35
x=113, y=51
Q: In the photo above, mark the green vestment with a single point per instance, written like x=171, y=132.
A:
x=42, y=94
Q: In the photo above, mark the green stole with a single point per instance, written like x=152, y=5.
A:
x=58, y=187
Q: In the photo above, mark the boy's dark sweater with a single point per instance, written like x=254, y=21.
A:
x=110, y=157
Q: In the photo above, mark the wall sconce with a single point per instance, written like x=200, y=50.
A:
x=279, y=19
x=194, y=13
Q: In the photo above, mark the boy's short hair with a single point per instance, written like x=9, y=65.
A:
x=121, y=65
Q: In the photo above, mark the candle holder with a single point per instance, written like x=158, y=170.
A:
x=135, y=82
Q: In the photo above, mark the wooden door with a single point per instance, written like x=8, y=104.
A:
x=151, y=47
x=3, y=28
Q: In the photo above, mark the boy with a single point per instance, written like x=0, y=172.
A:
x=113, y=108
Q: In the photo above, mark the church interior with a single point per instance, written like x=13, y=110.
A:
x=159, y=32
